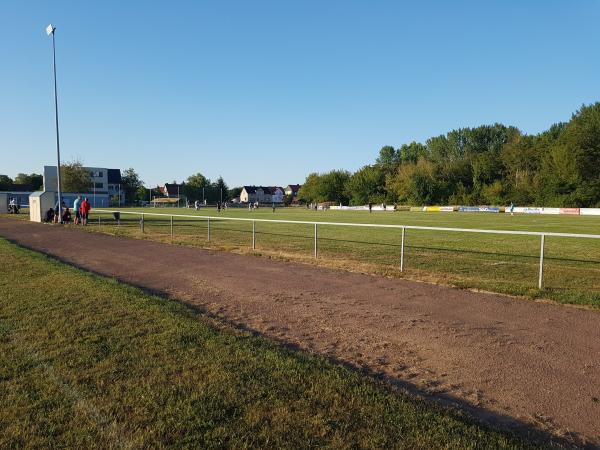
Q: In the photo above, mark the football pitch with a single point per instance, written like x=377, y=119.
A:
x=499, y=263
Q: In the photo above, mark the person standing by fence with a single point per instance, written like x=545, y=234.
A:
x=76, y=205
x=85, y=210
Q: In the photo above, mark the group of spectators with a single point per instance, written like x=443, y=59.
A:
x=81, y=208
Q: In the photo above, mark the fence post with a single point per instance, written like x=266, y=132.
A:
x=208, y=228
x=142, y=223
x=171, y=226
x=98, y=220
x=541, y=277
x=316, y=237
x=254, y=235
x=402, y=251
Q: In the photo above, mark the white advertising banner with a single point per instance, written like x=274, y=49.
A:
x=589, y=211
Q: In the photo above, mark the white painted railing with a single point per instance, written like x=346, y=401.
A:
x=541, y=234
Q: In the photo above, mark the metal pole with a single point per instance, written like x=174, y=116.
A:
x=316, y=237
x=402, y=251
x=171, y=226
x=142, y=223
x=541, y=277
x=208, y=229
x=253, y=235
x=56, y=123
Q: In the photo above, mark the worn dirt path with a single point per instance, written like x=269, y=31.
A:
x=508, y=361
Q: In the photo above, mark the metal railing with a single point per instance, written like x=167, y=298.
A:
x=403, y=228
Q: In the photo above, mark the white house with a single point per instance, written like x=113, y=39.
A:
x=292, y=189
x=262, y=194
x=251, y=194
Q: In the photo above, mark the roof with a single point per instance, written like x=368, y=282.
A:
x=114, y=176
x=165, y=200
x=170, y=189
x=294, y=187
x=266, y=189
x=20, y=188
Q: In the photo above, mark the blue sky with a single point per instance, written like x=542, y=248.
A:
x=265, y=92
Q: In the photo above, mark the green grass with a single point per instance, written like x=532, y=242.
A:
x=499, y=263
x=86, y=362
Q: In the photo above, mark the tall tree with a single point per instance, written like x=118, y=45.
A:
x=5, y=182
x=366, y=185
x=388, y=158
x=307, y=192
x=221, y=189
x=74, y=178
x=234, y=192
x=34, y=180
x=331, y=187
x=197, y=185
x=131, y=182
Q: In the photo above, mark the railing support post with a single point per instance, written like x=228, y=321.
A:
x=402, y=251
x=254, y=235
x=541, y=275
x=171, y=226
x=208, y=222
x=316, y=238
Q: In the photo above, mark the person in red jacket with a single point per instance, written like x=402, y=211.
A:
x=84, y=210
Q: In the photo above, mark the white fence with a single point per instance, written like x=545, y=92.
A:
x=402, y=228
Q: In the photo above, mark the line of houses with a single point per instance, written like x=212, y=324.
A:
x=268, y=194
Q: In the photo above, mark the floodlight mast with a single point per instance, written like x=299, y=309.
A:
x=50, y=29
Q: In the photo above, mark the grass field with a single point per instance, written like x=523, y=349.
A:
x=499, y=263
x=86, y=362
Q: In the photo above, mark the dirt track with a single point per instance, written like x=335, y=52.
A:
x=508, y=361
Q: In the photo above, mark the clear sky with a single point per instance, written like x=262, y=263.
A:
x=265, y=92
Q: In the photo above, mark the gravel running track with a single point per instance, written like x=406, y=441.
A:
x=511, y=362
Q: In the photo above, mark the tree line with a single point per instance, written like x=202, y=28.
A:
x=33, y=181
x=489, y=164
x=196, y=187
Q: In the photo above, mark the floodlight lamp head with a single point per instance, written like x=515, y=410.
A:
x=50, y=29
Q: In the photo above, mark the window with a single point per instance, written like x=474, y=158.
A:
x=98, y=185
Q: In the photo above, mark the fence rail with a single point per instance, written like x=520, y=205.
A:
x=542, y=235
